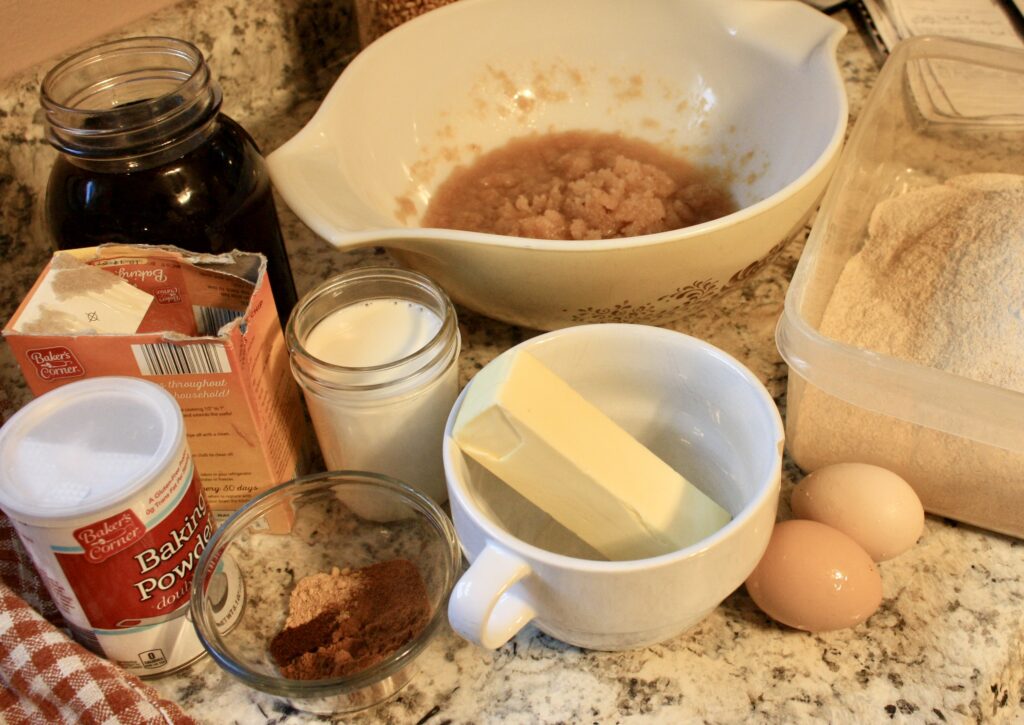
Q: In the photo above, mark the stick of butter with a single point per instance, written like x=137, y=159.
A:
x=529, y=428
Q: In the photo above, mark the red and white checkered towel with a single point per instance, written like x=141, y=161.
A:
x=47, y=677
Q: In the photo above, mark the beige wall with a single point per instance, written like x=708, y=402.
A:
x=38, y=30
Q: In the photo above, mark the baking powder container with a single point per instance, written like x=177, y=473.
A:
x=376, y=351
x=97, y=479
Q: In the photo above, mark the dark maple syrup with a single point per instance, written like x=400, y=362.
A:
x=148, y=158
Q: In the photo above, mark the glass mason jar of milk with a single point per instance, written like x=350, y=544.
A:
x=376, y=352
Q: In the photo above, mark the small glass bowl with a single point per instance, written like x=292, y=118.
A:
x=309, y=525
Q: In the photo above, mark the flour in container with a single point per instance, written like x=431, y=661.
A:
x=939, y=282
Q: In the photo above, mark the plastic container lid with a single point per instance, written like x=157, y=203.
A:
x=84, y=446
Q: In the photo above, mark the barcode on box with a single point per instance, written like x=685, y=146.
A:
x=210, y=319
x=161, y=358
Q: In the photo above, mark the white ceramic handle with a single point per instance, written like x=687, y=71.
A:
x=481, y=608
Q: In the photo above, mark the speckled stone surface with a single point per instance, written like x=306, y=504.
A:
x=946, y=646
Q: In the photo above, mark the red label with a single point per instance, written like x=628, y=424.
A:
x=167, y=296
x=143, y=573
x=102, y=540
x=55, y=363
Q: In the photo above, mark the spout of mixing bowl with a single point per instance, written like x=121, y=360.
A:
x=312, y=177
x=791, y=31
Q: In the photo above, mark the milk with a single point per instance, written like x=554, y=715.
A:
x=371, y=333
x=379, y=373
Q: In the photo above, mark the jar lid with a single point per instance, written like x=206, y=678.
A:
x=85, y=446
x=130, y=99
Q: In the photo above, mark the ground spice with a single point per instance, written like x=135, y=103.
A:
x=294, y=641
x=317, y=593
x=349, y=620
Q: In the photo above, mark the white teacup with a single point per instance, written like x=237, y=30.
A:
x=693, y=405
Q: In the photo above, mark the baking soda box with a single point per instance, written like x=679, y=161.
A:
x=202, y=326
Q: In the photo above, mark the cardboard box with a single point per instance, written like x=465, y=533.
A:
x=203, y=326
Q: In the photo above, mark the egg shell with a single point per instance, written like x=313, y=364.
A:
x=872, y=505
x=815, y=578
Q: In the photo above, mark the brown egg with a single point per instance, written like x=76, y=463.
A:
x=872, y=505
x=815, y=578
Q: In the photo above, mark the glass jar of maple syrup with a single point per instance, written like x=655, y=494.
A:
x=146, y=157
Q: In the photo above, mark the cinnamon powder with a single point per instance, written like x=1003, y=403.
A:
x=349, y=620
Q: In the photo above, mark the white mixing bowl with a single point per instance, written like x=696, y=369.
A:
x=749, y=86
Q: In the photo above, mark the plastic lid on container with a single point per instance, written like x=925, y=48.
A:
x=85, y=446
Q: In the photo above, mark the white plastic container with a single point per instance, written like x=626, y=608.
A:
x=376, y=352
x=97, y=479
x=940, y=108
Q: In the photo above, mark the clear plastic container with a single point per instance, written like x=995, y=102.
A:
x=940, y=108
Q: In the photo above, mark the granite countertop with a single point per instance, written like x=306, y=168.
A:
x=947, y=644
